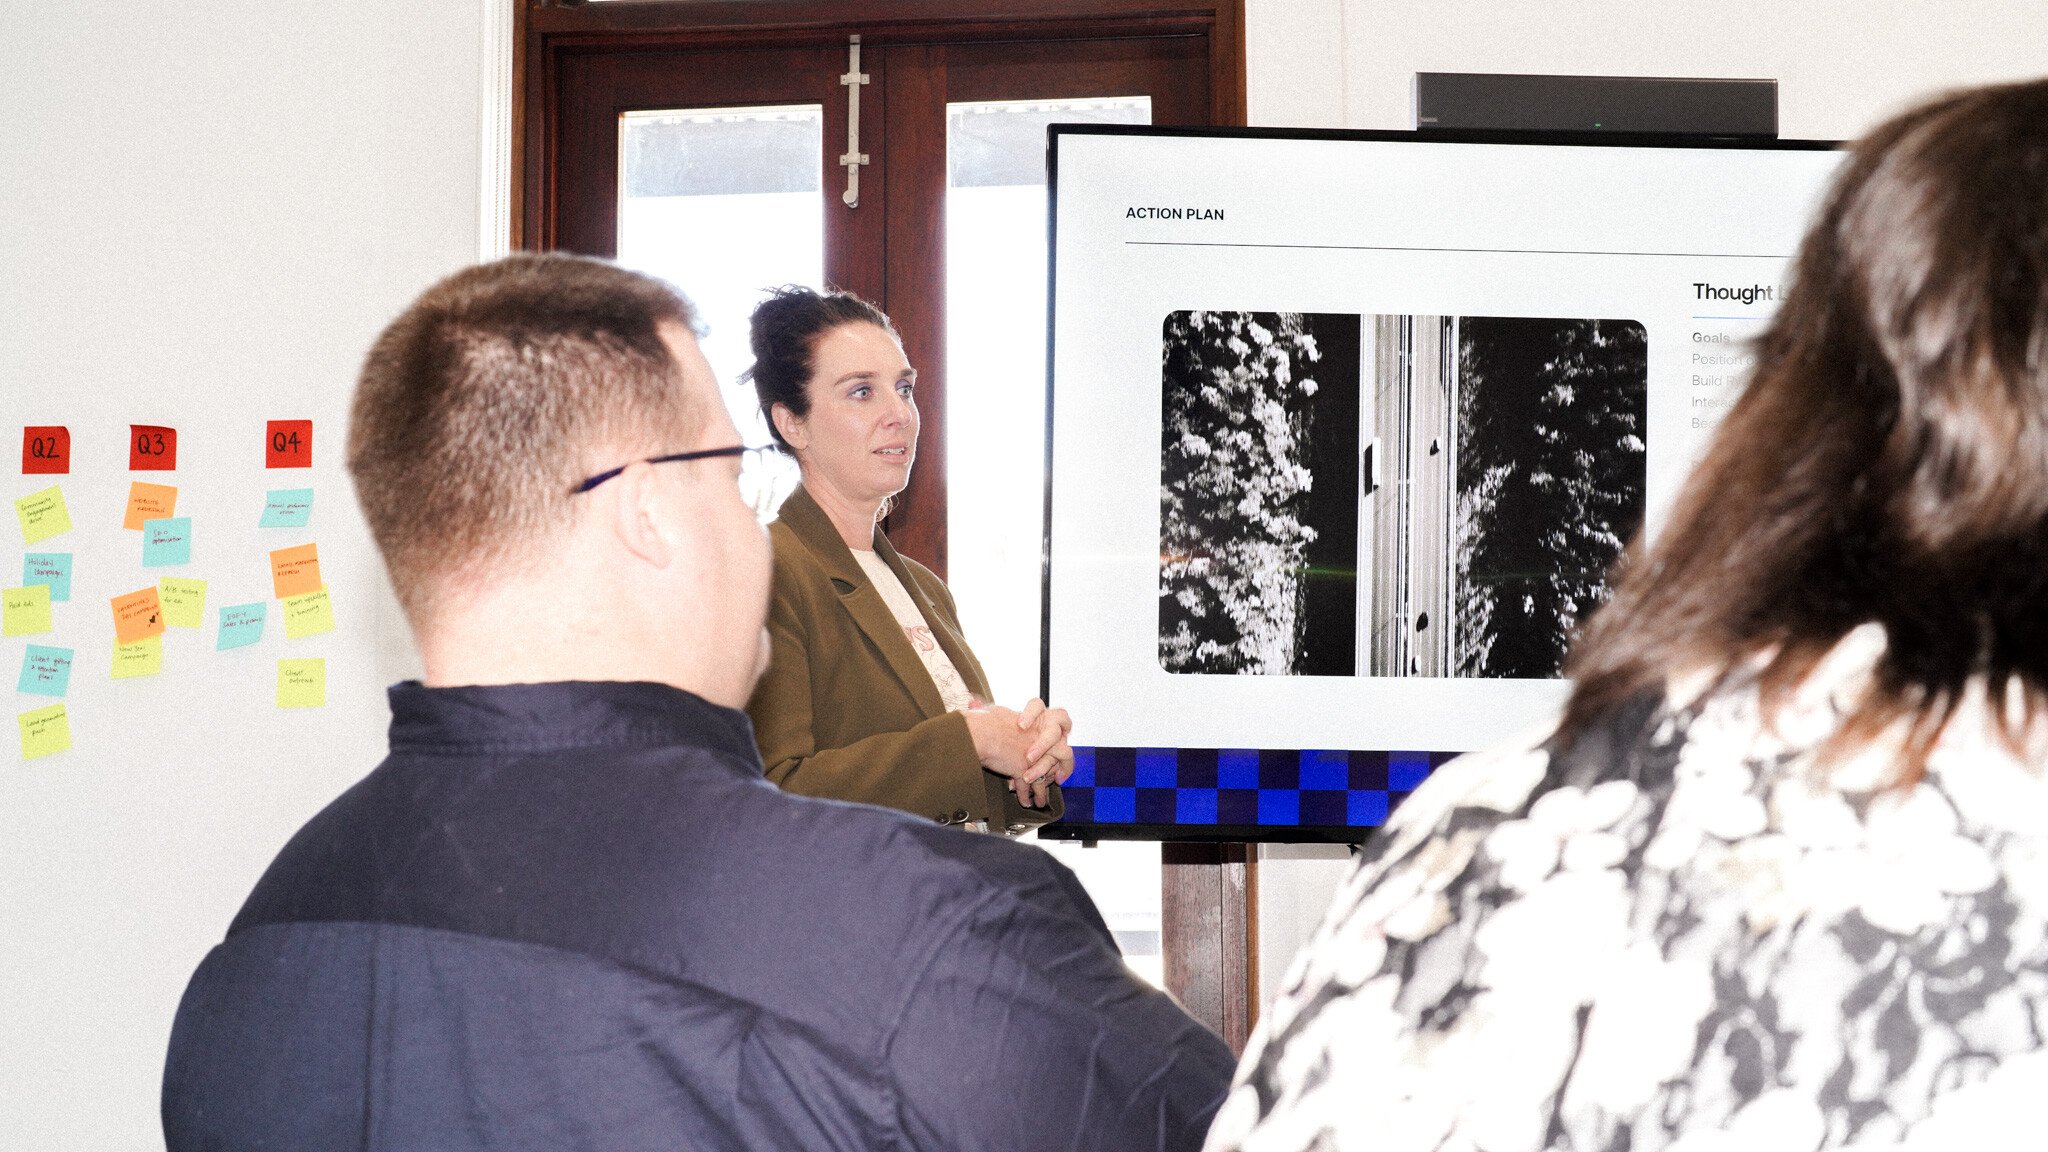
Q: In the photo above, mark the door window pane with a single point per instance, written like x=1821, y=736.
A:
x=995, y=432
x=726, y=203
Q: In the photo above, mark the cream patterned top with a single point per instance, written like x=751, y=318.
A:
x=952, y=689
x=1679, y=935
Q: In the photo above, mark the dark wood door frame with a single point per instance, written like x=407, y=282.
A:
x=547, y=31
x=1209, y=892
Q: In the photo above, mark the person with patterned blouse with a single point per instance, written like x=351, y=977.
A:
x=1778, y=880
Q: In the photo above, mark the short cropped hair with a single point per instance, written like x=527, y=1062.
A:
x=784, y=332
x=1888, y=460
x=485, y=403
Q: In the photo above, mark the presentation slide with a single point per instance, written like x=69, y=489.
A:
x=1347, y=429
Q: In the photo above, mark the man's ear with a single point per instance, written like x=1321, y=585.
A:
x=640, y=514
x=793, y=432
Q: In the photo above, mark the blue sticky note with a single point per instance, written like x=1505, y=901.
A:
x=287, y=508
x=52, y=568
x=45, y=671
x=241, y=625
x=166, y=542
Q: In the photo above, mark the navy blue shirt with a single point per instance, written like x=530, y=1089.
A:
x=575, y=916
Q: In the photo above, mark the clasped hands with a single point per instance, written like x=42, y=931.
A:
x=1028, y=746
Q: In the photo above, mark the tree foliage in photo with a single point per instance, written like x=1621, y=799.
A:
x=1551, y=482
x=1233, y=494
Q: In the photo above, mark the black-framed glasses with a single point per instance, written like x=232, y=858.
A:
x=672, y=458
x=757, y=483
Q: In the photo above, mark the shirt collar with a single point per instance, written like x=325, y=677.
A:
x=563, y=715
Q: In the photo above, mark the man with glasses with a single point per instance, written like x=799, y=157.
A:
x=567, y=911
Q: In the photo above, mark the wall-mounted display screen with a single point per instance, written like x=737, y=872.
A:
x=1346, y=430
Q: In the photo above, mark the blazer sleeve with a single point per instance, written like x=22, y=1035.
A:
x=929, y=769
x=1005, y=814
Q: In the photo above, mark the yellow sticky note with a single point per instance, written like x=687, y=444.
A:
x=183, y=600
x=302, y=683
x=149, y=502
x=26, y=610
x=44, y=731
x=42, y=514
x=142, y=658
x=308, y=615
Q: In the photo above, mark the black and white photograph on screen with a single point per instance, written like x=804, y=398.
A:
x=1258, y=494
x=1505, y=471
x=1552, y=482
x=1393, y=495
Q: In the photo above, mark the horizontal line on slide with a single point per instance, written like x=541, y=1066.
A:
x=1403, y=248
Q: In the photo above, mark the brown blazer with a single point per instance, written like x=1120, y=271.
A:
x=847, y=709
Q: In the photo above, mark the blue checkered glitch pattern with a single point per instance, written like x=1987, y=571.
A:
x=1242, y=786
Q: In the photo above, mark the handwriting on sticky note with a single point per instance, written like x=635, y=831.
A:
x=183, y=600
x=308, y=615
x=44, y=731
x=145, y=657
x=295, y=571
x=241, y=625
x=166, y=542
x=152, y=448
x=45, y=671
x=148, y=502
x=137, y=615
x=42, y=515
x=302, y=683
x=45, y=450
x=290, y=444
x=25, y=611
x=287, y=508
x=50, y=568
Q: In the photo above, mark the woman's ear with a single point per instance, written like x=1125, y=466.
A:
x=790, y=426
x=639, y=512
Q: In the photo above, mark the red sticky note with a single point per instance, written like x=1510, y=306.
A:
x=45, y=449
x=295, y=571
x=152, y=448
x=289, y=444
x=137, y=616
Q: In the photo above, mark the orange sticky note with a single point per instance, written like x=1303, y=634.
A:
x=138, y=615
x=295, y=571
x=149, y=502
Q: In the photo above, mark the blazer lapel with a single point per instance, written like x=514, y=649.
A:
x=857, y=594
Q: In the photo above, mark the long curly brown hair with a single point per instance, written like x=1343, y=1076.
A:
x=1889, y=459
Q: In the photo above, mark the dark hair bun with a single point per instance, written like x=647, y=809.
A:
x=784, y=331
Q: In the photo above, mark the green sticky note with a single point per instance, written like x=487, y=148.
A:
x=183, y=600
x=26, y=610
x=44, y=731
x=45, y=671
x=302, y=683
x=308, y=615
x=166, y=542
x=52, y=568
x=145, y=657
x=287, y=508
x=241, y=625
x=42, y=514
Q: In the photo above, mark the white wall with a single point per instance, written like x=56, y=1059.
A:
x=1841, y=66
x=211, y=208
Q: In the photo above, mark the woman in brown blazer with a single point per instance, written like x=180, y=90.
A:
x=871, y=692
